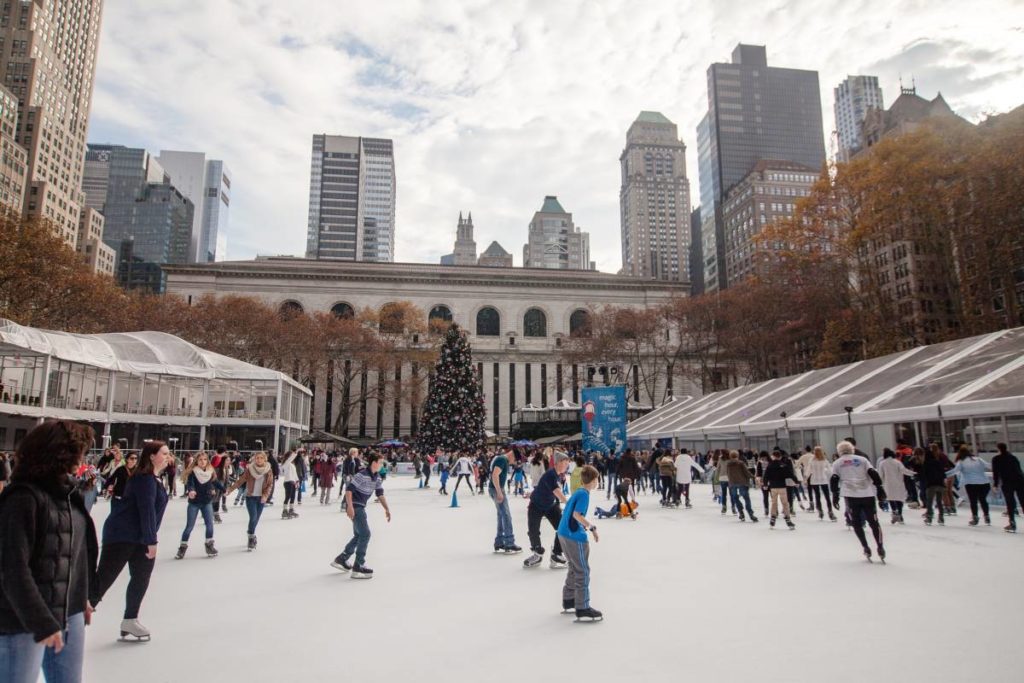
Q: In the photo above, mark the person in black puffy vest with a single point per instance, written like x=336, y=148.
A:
x=48, y=557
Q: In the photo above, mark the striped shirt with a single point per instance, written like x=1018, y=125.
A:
x=363, y=485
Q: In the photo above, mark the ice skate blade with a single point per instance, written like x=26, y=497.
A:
x=571, y=610
x=587, y=620
x=129, y=638
x=357, y=575
x=340, y=567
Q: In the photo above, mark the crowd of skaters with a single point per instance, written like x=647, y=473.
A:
x=56, y=567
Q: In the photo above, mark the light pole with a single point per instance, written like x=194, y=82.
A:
x=849, y=416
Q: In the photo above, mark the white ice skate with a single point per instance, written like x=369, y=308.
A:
x=134, y=632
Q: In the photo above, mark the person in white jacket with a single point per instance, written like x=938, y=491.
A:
x=818, y=471
x=892, y=472
x=290, y=476
x=685, y=464
x=464, y=470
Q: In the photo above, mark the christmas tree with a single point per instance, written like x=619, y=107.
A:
x=453, y=415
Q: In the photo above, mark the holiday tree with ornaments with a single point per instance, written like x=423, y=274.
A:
x=453, y=415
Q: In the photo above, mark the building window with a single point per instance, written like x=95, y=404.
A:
x=579, y=324
x=343, y=310
x=290, y=309
x=488, y=323
x=535, y=323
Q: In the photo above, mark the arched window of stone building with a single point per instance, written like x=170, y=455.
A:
x=392, y=318
x=488, y=322
x=439, y=318
x=290, y=309
x=579, y=323
x=343, y=310
x=535, y=323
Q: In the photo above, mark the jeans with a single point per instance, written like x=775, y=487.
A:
x=22, y=658
x=254, y=505
x=667, y=482
x=504, y=537
x=190, y=520
x=978, y=495
x=613, y=479
x=738, y=492
x=533, y=518
x=360, y=537
x=113, y=558
x=726, y=490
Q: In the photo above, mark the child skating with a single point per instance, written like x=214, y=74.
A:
x=364, y=484
x=572, y=534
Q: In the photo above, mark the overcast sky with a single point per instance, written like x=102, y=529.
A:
x=494, y=104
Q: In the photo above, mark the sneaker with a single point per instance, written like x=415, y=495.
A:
x=341, y=563
x=361, y=571
x=558, y=562
x=532, y=561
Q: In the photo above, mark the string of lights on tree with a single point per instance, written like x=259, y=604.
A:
x=453, y=415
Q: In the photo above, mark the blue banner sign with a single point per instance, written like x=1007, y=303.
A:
x=604, y=419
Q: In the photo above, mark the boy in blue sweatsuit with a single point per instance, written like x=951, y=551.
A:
x=572, y=535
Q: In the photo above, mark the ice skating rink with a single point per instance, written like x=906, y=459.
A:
x=687, y=595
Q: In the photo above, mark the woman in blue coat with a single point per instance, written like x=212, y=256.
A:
x=201, y=489
x=129, y=536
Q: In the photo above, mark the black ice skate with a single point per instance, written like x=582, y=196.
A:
x=867, y=554
x=362, y=572
x=568, y=607
x=182, y=549
x=341, y=563
x=588, y=614
x=210, y=550
x=557, y=562
x=252, y=543
x=771, y=523
x=134, y=632
x=881, y=554
x=216, y=517
x=789, y=523
x=512, y=549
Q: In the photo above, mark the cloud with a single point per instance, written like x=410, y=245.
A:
x=491, y=104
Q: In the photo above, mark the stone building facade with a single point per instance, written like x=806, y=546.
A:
x=518, y=319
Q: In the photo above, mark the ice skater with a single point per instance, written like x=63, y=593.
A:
x=856, y=480
x=365, y=483
x=776, y=475
x=892, y=472
x=685, y=465
x=258, y=482
x=818, y=471
x=1008, y=477
x=201, y=487
x=463, y=471
x=544, y=504
x=973, y=473
x=572, y=534
x=504, y=539
x=290, y=475
x=130, y=537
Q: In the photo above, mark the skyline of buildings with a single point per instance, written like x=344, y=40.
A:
x=147, y=220
x=352, y=188
x=48, y=58
x=852, y=100
x=207, y=184
x=654, y=200
x=755, y=112
x=554, y=241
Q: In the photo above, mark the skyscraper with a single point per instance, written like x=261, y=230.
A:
x=464, y=253
x=207, y=183
x=853, y=98
x=755, y=112
x=654, y=200
x=48, y=58
x=554, y=241
x=13, y=159
x=143, y=212
x=351, y=199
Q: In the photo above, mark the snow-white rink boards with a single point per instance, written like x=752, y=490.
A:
x=687, y=595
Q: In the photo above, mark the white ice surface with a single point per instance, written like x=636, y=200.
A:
x=687, y=595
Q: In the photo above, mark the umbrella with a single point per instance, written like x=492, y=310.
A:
x=525, y=443
x=392, y=443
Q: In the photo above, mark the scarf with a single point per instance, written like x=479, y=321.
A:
x=255, y=471
x=201, y=475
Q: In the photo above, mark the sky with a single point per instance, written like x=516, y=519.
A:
x=493, y=104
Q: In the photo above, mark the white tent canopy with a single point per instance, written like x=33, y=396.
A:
x=135, y=352
x=965, y=378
